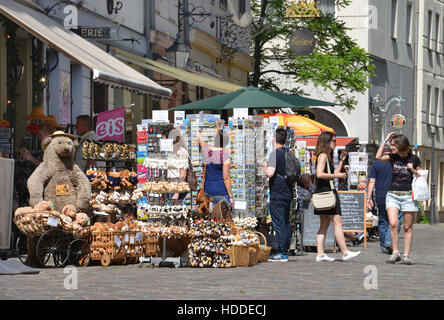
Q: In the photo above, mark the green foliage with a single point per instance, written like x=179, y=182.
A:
x=337, y=64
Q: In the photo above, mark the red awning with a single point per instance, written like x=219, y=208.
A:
x=340, y=141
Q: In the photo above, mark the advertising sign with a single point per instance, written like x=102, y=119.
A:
x=111, y=125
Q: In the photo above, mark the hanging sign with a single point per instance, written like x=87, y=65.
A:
x=398, y=121
x=111, y=125
x=240, y=113
x=302, y=42
x=179, y=116
x=160, y=115
x=94, y=32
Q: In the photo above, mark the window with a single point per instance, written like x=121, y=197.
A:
x=223, y=4
x=435, y=109
x=409, y=22
x=441, y=184
x=442, y=110
x=436, y=31
x=242, y=7
x=394, y=18
x=428, y=102
x=327, y=6
x=429, y=29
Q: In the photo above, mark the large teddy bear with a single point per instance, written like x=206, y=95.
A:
x=58, y=179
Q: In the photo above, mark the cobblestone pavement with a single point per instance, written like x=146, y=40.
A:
x=300, y=278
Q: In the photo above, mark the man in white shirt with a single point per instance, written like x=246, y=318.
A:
x=84, y=129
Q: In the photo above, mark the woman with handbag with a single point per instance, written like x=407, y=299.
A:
x=326, y=199
x=217, y=180
x=405, y=166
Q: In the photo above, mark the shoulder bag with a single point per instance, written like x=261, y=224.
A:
x=201, y=194
x=191, y=178
x=324, y=201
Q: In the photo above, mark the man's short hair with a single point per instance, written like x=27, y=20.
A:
x=281, y=136
x=87, y=120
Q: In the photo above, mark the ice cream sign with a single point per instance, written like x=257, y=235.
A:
x=111, y=125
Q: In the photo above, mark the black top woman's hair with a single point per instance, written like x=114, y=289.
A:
x=323, y=145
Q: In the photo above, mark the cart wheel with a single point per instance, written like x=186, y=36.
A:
x=21, y=249
x=53, y=243
x=80, y=253
x=105, y=260
x=141, y=265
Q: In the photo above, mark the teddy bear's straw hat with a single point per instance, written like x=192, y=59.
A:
x=59, y=134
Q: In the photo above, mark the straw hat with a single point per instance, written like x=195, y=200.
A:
x=37, y=114
x=58, y=134
x=53, y=122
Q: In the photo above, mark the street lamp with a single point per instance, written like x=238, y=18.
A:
x=178, y=54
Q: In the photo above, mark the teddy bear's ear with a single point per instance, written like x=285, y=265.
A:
x=46, y=142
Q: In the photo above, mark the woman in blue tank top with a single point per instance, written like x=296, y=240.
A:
x=217, y=174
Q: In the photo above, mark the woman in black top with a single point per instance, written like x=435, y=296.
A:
x=324, y=150
x=399, y=196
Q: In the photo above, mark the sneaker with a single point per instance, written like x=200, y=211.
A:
x=394, y=257
x=389, y=248
x=406, y=260
x=350, y=255
x=324, y=258
x=278, y=257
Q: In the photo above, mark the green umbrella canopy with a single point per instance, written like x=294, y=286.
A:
x=253, y=98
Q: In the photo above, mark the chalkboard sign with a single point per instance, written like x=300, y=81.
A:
x=311, y=227
x=354, y=211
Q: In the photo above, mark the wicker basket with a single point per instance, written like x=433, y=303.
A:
x=151, y=247
x=253, y=254
x=105, y=248
x=35, y=223
x=264, y=251
x=239, y=256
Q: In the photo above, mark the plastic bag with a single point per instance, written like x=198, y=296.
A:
x=420, y=187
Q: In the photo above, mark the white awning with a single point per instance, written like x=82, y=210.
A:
x=106, y=68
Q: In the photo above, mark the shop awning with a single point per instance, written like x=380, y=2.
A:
x=252, y=98
x=341, y=142
x=106, y=68
x=179, y=74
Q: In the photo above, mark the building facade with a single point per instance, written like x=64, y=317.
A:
x=405, y=39
x=206, y=37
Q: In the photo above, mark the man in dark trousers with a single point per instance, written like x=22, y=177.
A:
x=381, y=177
x=280, y=196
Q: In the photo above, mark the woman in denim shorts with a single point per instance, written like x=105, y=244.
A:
x=399, y=196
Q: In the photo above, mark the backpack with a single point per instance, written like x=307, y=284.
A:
x=293, y=169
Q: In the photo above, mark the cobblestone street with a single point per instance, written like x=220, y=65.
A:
x=300, y=278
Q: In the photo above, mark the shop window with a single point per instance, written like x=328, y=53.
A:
x=100, y=97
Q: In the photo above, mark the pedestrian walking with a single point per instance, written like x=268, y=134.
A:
x=281, y=196
x=324, y=152
x=399, y=196
x=380, y=179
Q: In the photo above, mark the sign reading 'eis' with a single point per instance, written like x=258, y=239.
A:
x=111, y=125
